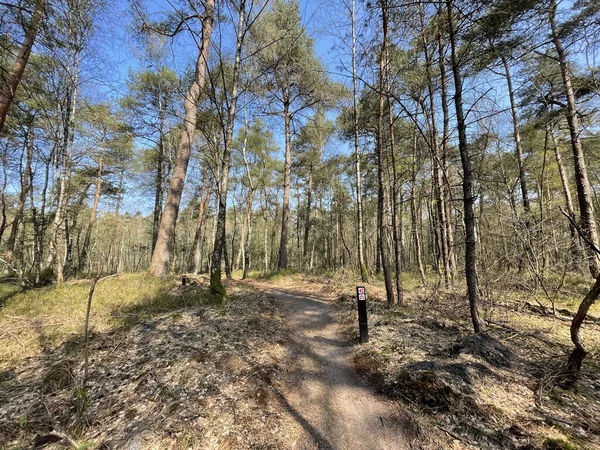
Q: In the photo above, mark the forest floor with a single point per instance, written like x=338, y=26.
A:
x=497, y=390
x=279, y=367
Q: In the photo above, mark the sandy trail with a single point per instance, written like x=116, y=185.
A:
x=324, y=394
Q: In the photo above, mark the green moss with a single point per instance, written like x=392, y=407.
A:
x=558, y=444
x=216, y=287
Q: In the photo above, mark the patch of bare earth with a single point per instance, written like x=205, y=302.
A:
x=199, y=378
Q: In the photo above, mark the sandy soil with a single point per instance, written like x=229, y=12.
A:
x=323, y=392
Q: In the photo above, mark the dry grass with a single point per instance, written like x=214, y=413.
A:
x=35, y=320
x=169, y=369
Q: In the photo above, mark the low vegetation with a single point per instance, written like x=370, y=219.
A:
x=499, y=389
x=169, y=368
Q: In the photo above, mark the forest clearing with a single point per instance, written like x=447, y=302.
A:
x=194, y=192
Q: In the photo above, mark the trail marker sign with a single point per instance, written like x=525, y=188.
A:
x=361, y=300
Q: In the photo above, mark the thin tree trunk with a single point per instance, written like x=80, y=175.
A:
x=394, y=199
x=248, y=235
x=308, y=210
x=381, y=203
x=274, y=234
x=364, y=274
x=164, y=244
x=119, y=192
x=584, y=195
x=576, y=253
x=216, y=285
x=436, y=161
x=37, y=237
x=413, y=212
x=25, y=186
x=580, y=351
x=445, y=136
x=88, y=234
x=285, y=210
x=519, y=156
x=60, y=217
x=468, y=195
x=204, y=198
x=3, y=224
x=158, y=188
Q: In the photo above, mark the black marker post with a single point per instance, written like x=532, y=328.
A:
x=361, y=300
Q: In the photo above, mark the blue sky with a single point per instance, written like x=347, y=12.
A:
x=116, y=50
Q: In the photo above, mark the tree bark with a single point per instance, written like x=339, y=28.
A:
x=362, y=267
x=204, y=198
x=579, y=352
x=381, y=197
x=436, y=161
x=285, y=210
x=88, y=233
x=519, y=156
x=447, y=191
x=467, y=185
x=413, y=211
x=164, y=243
x=584, y=195
x=25, y=186
x=216, y=285
x=66, y=152
x=394, y=199
x=158, y=188
x=576, y=253
x=13, y=78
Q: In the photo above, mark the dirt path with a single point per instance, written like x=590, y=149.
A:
x=323, y=393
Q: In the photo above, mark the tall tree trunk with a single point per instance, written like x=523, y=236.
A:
x=12, y=79
x=25, y=186
x=576, y=253
x=394, y=198
x=66, y=152
x=285, y=210
x=413, y=211
x=381, y=203
x=158, y=187
x=120, y=192
x=216, y=285
x=204, y=198
x=88, y=233
x=37, y=236
x=519, y=155
x=468, y=195
x=447, y=192
x=362, y=267
x=273, y=235
x=436, y=160
x=248, y=235
x=266, y=239
x=164, y=243
x=584, y=195
x=308, y=210
x=250, y=201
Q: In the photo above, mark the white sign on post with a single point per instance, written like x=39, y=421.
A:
x=361, y=294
